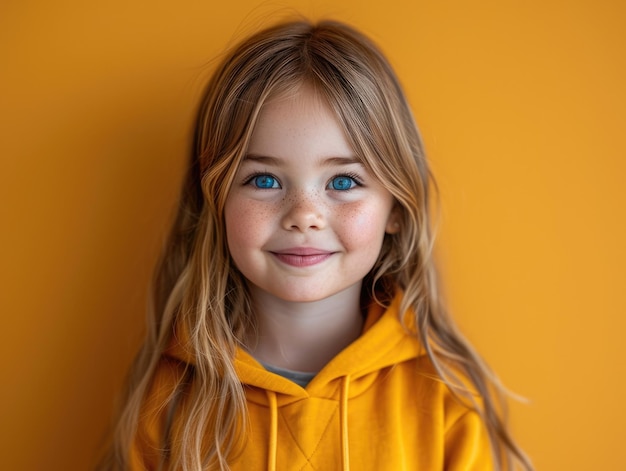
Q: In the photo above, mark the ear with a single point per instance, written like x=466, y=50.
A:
x=393, y=221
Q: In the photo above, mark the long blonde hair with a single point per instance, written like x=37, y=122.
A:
x=198, y=290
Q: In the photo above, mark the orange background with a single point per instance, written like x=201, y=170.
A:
x=522, y=108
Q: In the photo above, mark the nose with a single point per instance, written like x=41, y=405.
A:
x=303, y=212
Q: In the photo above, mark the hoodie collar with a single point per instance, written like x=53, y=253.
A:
x=384, y=342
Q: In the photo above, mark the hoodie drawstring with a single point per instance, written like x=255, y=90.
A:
x=271, y=452
x=343, y=422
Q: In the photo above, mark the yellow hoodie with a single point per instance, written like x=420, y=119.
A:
x=378, y=405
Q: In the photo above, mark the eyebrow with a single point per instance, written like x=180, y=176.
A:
x=327, y=162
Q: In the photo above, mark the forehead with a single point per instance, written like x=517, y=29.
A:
x=298, y=122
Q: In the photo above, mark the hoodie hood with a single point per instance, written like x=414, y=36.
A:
x=379, y=404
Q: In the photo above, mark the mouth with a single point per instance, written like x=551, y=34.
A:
x=302, y=256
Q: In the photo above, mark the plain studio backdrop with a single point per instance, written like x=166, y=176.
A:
x=521, y=104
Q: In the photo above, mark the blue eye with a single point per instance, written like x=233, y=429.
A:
x=265, y=182
x=342, y=183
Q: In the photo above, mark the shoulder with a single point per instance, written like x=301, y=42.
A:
x=465, y=439
x=155, y=413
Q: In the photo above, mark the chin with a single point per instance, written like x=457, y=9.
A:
x=309, y=295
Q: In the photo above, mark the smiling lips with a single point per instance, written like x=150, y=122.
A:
x=302, y=256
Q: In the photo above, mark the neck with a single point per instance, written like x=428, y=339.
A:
x=304, y=336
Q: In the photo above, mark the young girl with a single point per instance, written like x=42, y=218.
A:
x=296, y=319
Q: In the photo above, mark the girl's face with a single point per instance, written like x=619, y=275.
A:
x=304, y=219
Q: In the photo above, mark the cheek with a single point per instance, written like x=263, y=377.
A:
x=363, y=226
x=245, y=223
